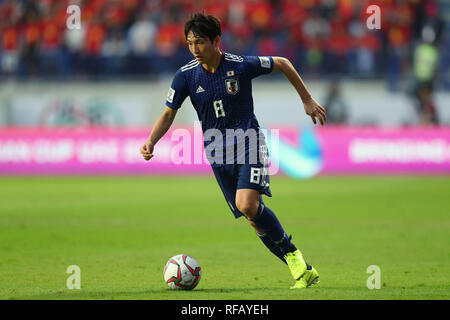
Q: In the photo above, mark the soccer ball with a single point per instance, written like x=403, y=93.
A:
x=182, y=272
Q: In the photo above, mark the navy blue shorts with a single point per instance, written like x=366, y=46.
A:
x=232, y=177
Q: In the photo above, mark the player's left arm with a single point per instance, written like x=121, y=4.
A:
x=312, y=107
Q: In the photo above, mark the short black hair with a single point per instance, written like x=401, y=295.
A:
x=204, y=26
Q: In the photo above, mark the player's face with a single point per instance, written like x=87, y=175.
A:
x=203, y=49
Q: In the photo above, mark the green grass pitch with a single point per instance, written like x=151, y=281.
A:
x=121, y=231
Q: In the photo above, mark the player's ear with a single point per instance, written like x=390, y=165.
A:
x=216, y=42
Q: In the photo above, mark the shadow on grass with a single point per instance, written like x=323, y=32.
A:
x=155, y=294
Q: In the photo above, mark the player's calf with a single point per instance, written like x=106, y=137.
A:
x=269, y=243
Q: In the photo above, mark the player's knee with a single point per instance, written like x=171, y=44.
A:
x=248, y=208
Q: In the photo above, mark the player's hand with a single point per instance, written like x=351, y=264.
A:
x=147, y=150
x=315, y=110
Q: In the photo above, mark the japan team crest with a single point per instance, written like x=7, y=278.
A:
x=232, y=86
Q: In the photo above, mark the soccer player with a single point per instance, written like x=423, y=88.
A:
x=219, y=87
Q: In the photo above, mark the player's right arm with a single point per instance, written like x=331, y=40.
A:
x=178, y=92
x=160, y=128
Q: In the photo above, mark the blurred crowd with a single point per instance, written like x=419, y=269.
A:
x=145, y=37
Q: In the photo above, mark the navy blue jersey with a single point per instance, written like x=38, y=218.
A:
x=223, y=99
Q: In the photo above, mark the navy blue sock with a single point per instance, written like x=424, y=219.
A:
x=275, y=249
x=268, y=223
x=272, y=246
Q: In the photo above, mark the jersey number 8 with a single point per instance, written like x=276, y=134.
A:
x=218, y=107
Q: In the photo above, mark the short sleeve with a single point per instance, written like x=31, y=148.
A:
x=178, y=91
x=257, y=66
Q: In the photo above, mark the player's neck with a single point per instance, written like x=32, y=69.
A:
x=214, y=64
